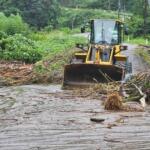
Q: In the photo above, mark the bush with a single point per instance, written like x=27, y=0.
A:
x=12, y=24
x=18, y=47
x=2, y=35
x=136, y=25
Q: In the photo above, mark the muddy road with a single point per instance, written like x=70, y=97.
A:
x=47, y=118
x=39, y=117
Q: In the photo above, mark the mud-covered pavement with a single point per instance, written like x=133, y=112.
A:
x=47, y=118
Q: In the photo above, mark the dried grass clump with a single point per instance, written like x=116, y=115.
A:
x=114, y=102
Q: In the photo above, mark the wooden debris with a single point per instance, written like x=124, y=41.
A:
x=143, y=99
x=137, y=88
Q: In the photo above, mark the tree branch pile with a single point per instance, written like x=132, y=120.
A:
x=15, y=73
x=132, y=95
x=138, y=88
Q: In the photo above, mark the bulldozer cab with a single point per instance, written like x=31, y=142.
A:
x=106, y=32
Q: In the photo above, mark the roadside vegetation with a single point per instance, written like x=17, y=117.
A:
x=57, y=48
x=144, y=53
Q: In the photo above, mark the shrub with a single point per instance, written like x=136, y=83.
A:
x=18, y=47
x=12, y=24
x=135, y=25
x=3, y=35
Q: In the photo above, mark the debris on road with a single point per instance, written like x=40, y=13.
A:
x=97, y=120
x=138, y=88
x=114, y=102
x=138, y=91
x=15, y=73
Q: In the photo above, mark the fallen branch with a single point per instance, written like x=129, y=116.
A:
x=134, y=98
x=143, y=99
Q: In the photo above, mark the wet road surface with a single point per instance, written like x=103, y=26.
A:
x=138, y=64
x=36, y=117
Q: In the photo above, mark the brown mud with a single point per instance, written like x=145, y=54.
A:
x=38, y=117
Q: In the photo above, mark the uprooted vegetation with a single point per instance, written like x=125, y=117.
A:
x=48, y=70
x=137, y=90
x=130, y=96
x=137, y=87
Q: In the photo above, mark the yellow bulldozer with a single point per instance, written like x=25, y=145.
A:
x=102, y=61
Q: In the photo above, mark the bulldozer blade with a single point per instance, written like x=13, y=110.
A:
x=84, y=74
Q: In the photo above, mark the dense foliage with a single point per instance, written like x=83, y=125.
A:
x=12, y=24
x=18, y=47
x=35, y=46
x=50, y=14
x=128, y=5
x=75, y=3
x=74, y=18
x=139, y=23
x=17, y=44
x=39, y=13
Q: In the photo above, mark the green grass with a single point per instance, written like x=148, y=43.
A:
x=138, y=40
x=56, y=41
x=144, y=54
